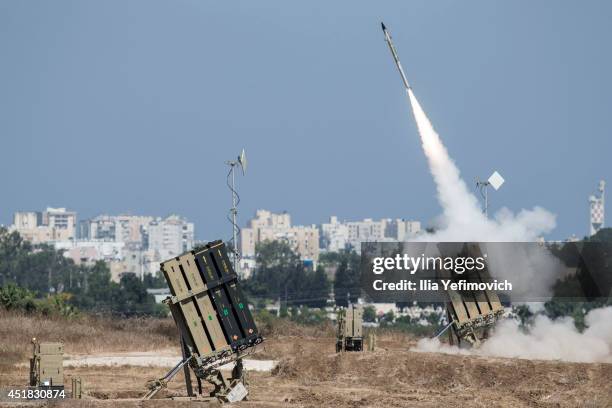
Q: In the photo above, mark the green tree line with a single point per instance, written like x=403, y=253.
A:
x=33, y=272
x=281, y=275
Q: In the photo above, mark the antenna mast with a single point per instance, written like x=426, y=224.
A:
x=233, y=213
x=496, y=181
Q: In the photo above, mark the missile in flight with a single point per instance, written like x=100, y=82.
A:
x=395, y=57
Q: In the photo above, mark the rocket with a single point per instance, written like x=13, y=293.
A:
x=395, y=57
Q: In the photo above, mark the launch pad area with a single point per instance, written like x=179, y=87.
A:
x=310, y=373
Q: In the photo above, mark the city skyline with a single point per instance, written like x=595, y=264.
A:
x=109, y=114
x=245, y=219
x=138, y=243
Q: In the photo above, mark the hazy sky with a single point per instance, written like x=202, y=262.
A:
x=133, y=106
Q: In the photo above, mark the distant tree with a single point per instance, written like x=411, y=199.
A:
x=369, y=314
x=318, y=288
x=330, y=259
x=40, y=270
x=524, y=314
x=276, y=272
x=388, y=318
x=155, y=280
x=96, y=290
x=603, y=235
x=13, y=297
x=99, y=286
x=280, y=274
x=347, y=285
x=131, y=296
x=306, y=316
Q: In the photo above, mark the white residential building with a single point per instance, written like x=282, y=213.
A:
x=130, y=243
x=171, y=236
x=48, y=226
x=88, y=252
x=366, y=230
x=118, y=228
x=402, y=230
x=337, y=235
x=268, y=226
x=334, y=235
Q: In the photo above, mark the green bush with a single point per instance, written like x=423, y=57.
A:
x=306, y=316
x=13, y=297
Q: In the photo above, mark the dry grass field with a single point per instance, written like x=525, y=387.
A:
x=81, y=335
x=310, y=373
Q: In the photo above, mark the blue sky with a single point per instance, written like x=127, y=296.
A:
x=133, y=106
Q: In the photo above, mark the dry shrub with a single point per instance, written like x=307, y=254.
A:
x=285, y=327
x=313, y=366
x=285, y=368
x=82, y=335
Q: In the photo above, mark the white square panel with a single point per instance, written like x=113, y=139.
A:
x=496, y=180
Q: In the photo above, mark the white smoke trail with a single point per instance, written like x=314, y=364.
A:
x=462, y=220
x=546, y=340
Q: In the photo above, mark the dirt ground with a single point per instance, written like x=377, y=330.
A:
x=311, y=374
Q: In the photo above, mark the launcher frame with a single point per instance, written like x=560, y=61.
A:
x=213, y=318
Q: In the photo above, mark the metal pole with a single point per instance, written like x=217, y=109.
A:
x=445, y=329
x=234, y=225
x=450, y=333
x=486, y=199
x=602, y=187
x=482, y=187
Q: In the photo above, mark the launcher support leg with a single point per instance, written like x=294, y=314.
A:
x=156, y=385
x=451, y=341
x=238, y=372
x=472, y=338
x=215, y=377
x=186, y=370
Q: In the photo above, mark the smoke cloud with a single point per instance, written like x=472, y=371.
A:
x=463, y=220
x=545, y=340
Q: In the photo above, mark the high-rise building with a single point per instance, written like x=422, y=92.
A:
x=268, y=226
x=334, y=235
x=89, y=252
x=52, y=224
x=171, y=236
x=130, y=229
x=131, y=243
x=337, y=235
x=401, y=230
x=366, y=230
